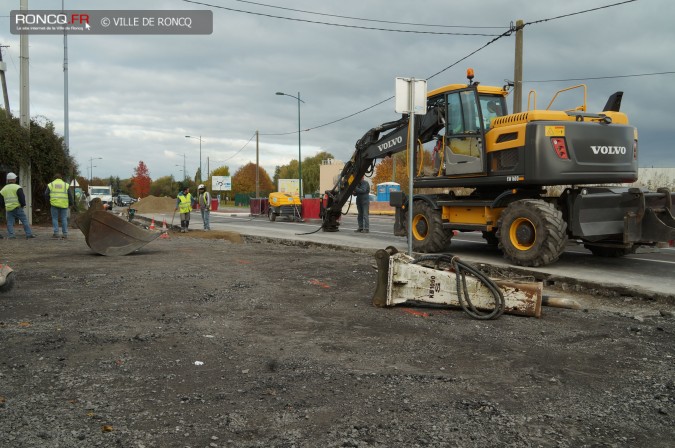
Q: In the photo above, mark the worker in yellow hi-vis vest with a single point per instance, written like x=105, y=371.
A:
x=184, y=205
x=13, y=200
x=59, y=197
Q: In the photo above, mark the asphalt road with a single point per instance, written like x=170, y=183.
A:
x=649, y=273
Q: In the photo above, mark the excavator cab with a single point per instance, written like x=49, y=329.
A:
x=469, y=112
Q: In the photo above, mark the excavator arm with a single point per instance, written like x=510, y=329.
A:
x=379, y=142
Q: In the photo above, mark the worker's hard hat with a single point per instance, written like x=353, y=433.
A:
x=201, y=187
x=11, y=176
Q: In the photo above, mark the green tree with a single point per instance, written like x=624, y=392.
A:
x=164, y=186
x=311, y=172
x=289, y=171
x=41, y=146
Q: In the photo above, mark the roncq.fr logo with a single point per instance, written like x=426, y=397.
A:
x=34, y=18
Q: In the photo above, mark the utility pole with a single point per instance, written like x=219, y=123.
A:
x=518, y=69
x=3, y=80
x=24, y=117
x=66, y=126
x=257, y=165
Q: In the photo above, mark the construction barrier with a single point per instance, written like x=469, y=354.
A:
x=311, y=208
x=259, y=206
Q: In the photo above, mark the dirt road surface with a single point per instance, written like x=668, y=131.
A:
x=194, y=342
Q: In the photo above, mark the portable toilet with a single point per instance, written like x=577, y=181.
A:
x=385, y=188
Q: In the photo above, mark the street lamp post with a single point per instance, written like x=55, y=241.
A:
x=299, y=146
x=91, y=167
x=200, y=155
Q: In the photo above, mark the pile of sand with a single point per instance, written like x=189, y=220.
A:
x=153, y=204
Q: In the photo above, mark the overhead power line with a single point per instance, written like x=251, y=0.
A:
x=588, y=78
x=510, y=31
x=242, y=148
x=579, y=12
x=363, y=19
x=336, y=24
x=496, y=37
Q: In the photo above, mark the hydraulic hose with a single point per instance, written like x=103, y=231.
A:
x=461, y=269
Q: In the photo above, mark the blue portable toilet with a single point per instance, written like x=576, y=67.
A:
x=384, y=189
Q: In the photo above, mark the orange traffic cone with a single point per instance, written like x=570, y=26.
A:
x=152, y=224
x=164, y=234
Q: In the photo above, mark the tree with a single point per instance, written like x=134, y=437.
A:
x=384, y=169
x=141, y=180
x=289, y=171
x=243, y=180
x=42, y=146
x=310, y=172
x=164, y=186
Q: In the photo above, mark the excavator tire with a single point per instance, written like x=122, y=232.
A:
x=271, y=215
x=610, y=252
x=531, y=233
x=427, y=229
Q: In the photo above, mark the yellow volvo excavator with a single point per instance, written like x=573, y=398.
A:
x=509, y=163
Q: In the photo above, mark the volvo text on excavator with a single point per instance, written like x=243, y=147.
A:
x=529, y=181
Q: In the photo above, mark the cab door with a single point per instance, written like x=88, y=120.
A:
x=464, y=134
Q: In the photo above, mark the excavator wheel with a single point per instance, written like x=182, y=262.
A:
x=610, y=252
x=271, y=215
x=427, y=229
x=531, y=233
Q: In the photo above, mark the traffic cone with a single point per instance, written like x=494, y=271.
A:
x=164, y=234
x=152, y=224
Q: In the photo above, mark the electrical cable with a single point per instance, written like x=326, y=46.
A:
x=506, y=33
x=579, y=12
x=461, y=269
x=601, y=77
x=391, y=30
x=361, y=19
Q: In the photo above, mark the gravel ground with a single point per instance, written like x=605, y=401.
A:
x=194, y=342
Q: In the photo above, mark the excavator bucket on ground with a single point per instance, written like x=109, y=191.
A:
x=109, y=235
x=6, y=278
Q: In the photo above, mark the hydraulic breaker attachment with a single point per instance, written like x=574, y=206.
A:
x=401, y=280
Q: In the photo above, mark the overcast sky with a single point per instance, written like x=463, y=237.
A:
x=136, y=97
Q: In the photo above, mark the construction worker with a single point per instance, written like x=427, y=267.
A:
x=59, y=197
x=362, y=193
x=13, y=199
x=184, y=205
x=204, y=205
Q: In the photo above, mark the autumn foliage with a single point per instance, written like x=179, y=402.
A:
x=243, y=180
x=384, y=170
x=141, y=181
